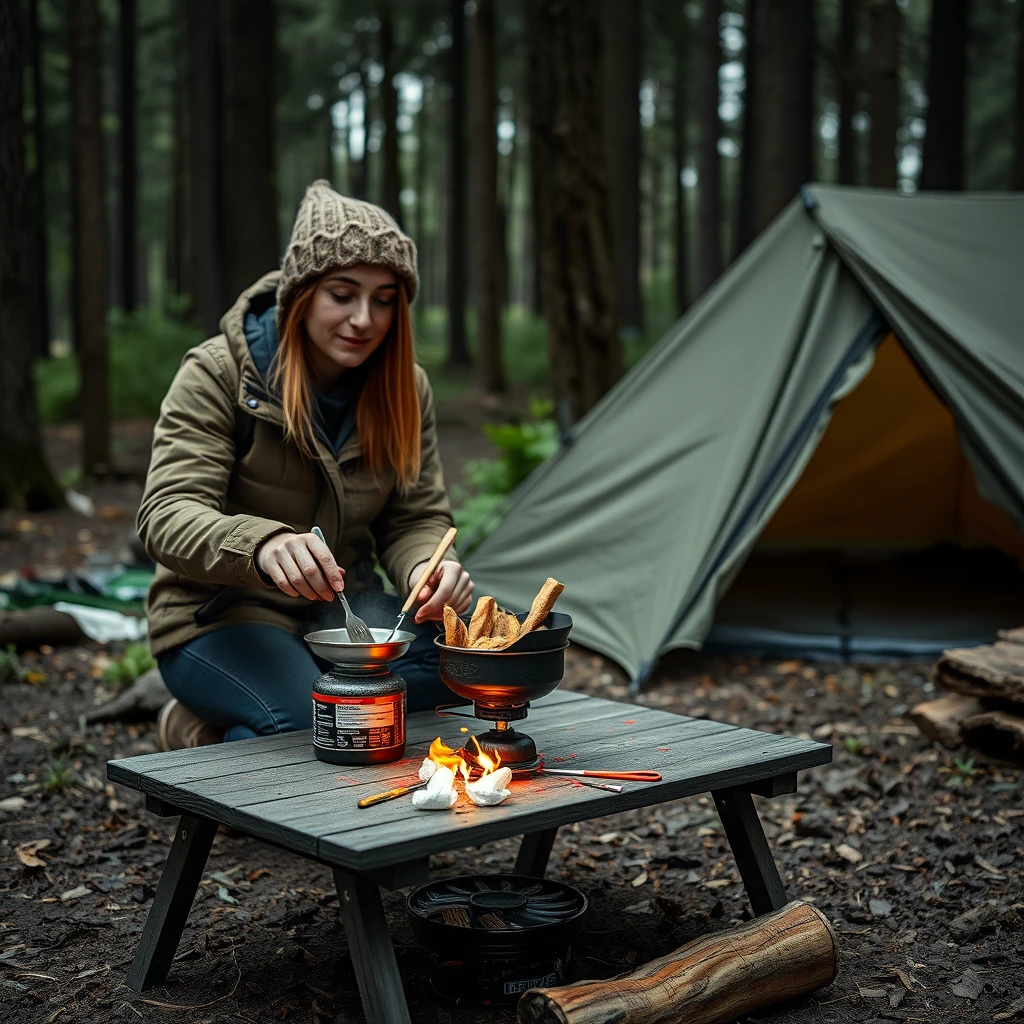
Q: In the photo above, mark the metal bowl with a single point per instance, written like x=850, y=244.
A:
x=333, y=645
x=500, y=678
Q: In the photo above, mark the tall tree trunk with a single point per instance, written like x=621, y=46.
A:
x=942, y=165
x=567, y=160
x=622, y=46
x=206, y=228
x=801, y=94
x=1017, y=179
x=358, y=180
x=129, y=255
x=770, y=108
x=25, y=479
x=178, y=214
x=90, y=249
x=458, y=351
x=250, y=181
x=40, y=262
x=709, y=198
x=490, y=371
x=391, y=186
x=884, y=93
x=847, y=168
x=681, y=233
x=422, y=134
x=746, y=221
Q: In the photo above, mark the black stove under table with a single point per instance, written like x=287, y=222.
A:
x=274, y=789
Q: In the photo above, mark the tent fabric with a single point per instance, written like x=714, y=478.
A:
x=651, y=511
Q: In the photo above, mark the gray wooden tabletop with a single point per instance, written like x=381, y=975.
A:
x=275, y=789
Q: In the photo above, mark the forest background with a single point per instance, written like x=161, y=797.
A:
x=576, y=173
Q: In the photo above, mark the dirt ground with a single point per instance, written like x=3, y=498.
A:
x=915, y=859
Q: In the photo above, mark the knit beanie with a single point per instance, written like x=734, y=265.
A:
x=332, y=230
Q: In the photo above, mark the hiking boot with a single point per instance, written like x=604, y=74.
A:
x=178, y=728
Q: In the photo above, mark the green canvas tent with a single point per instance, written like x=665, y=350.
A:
x=652, y=509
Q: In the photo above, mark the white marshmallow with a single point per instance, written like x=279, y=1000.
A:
x=440, y=794
x=490, y=790
x=427, y=769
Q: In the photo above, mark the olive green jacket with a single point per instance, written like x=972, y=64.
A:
x=205, y=511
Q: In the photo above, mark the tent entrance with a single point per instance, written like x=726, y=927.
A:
x=884, y=548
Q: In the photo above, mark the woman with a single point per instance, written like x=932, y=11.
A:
x=308, y=410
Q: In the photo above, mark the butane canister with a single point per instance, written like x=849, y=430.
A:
x=359, y=719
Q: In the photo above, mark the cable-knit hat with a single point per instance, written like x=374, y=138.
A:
x=332, y=230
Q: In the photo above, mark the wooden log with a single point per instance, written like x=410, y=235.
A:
x=940, y=720
x=713, y=979
x=30, y=628
x=994, y=670
x=997, y=734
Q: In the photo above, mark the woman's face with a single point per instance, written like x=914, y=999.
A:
x=349, y=318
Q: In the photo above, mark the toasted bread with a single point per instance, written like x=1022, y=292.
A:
x=542, y=605
x=455, y=634
x=482, y=621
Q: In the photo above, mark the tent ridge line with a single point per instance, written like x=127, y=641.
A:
x=872, y=328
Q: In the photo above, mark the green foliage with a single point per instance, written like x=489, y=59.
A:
x=854, y=745
x=962, y=773
x=146, y=348
x=60, y=775
x=11, y=669
x=522, y=447
x=125, y=670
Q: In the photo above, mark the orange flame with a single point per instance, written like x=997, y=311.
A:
x=485, y=761
x=444, y=755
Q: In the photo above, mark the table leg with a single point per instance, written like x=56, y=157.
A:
x=750, y=848
x=534, y=851
x=173, y=901
x=369, y=946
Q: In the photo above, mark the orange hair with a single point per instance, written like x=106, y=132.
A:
x=388, y=412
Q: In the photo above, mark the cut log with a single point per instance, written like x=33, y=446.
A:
x=711, y=980
x=994, y=670
x=30, y=628
x=996, y=733
x=940, y=720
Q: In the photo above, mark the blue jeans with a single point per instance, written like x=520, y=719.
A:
x=255, y=680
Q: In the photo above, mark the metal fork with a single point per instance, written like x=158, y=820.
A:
x=358, y=631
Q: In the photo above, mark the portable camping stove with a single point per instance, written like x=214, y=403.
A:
x=501, y=684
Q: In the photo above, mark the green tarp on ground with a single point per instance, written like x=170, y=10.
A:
x=651, y=511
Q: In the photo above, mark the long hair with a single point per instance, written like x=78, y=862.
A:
x=388, y=411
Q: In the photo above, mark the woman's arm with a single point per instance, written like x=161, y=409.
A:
x=181, y=520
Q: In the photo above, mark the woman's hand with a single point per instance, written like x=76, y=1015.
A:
x=300, y=565
x=450, y=584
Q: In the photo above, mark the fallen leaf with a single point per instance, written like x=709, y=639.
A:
x=986, y=866
x=718, y=883
x=13, y=804
x=640, y=879
x=224, y=895
x=258, y=873
x=872, y=993
x=880, y=908
x=847, y=852
x=968, y=985
x=896, y=996
x=608, y=837
x=902, y=975
x=29, y=732
x=75, y=894
x=26, y=853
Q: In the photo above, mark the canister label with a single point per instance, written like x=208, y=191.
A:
x=358, y=723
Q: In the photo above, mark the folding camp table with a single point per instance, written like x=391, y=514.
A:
x=274, y=789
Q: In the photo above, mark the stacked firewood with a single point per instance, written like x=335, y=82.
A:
x=985, y=709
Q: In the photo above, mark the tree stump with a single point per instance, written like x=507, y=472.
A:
x=711, y=980
x=995, y=671
x=941, y=720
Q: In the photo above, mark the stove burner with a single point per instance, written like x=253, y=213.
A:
x=501, y=684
